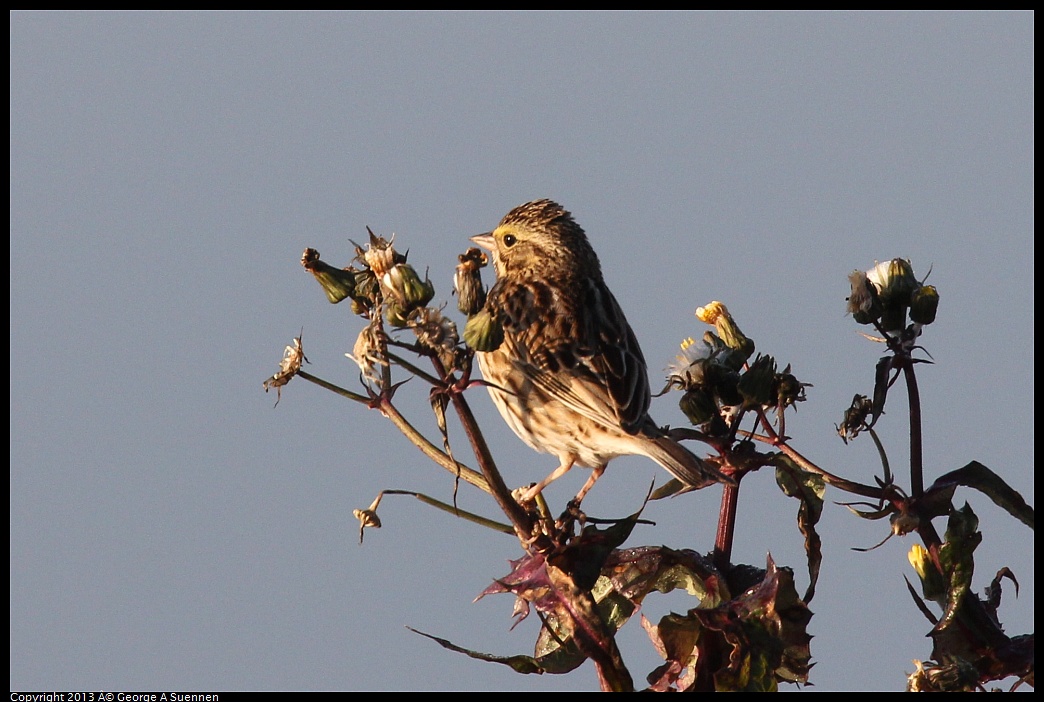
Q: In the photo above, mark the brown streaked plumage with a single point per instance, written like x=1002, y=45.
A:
x=569, y=377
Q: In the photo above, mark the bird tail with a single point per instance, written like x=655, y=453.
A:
x=685, y=465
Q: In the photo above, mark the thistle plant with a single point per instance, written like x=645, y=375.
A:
x=747, y=627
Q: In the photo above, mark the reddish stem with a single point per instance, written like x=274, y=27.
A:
x=726, y=527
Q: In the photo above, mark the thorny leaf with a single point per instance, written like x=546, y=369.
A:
x=775, y=601
x=964, y=631
x=592, y=636
x=676, y=638
x=636, y=572
x=752, y=641
x=570, y=626
x=769, y=602
x=584, y=557
x=619, y=581
x=956, y=556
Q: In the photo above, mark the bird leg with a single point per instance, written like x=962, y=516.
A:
x=557, y=473
x=596, y=473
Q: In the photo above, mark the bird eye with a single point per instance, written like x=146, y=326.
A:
x=510, y=240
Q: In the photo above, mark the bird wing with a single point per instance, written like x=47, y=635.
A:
x=579, y=350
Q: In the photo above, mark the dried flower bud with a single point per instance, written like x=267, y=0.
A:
x=863, y=304
x=396, y=315
x=698, y=406
x=467, y=281
x=789, y=389
x=434, y=330
x=723, y=382
x=404, y=285
x=854, y=420
x=380, y=255
x=903, y=523
x=337, y=283
x=958, y=676
x=367, y=291
x=288, y=367
x=368, y=517
x=756, y=385
x=893, y=319
x=924, y=303
x=368, y=353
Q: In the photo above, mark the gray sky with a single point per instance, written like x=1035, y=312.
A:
x=171, y=530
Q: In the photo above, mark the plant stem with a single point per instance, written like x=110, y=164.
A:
x=455, y=511
x=333, y=388
x=521, y=520
x=413, y=369
x=726, y=526
x=419, y=440
x=829, y=478
x=916, y=448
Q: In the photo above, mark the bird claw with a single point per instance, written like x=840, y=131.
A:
x=572, y=515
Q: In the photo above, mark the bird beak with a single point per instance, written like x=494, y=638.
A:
x=486, y=240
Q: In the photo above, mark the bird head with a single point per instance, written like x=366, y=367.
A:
x=539, y=238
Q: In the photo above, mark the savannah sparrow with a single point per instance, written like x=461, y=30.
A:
x=569, y=377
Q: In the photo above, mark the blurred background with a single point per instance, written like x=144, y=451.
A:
x=171, y=530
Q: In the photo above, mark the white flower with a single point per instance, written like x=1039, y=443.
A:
x=688, y=364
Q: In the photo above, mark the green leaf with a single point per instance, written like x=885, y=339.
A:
x=809, y=489
x=976, y=475
x=520, y=664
